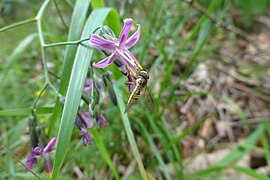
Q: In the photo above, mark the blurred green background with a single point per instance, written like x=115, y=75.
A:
x=209, y=77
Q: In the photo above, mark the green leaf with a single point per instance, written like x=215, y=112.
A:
x=97, y=4
x=239, y=112
x=130, y=134
x=104, y=153
x=243, y=148
x=250, y=172
x=16, y=54
x=266, y=146
x=75, y=88
x=155, y=149
x=113, y=18
x=76, y=26
x=25, y=111
x=234, y=156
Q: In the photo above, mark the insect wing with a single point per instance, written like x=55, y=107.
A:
x=148, y=99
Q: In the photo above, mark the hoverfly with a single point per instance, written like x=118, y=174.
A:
x=140, y=86
x=141, y=83
x=141, y=89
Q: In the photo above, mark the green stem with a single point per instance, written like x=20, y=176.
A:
x=42, y=43
x=11, y=26
x=39, y=95
x=42, y=8
x=60, y=15
x=65, y=43
x=33, y=108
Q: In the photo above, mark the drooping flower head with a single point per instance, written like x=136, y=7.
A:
x=118, y=47
x=83, y=122
x=42, y=153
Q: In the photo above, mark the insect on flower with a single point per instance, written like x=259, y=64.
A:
x=124, y=59
x=140, y=86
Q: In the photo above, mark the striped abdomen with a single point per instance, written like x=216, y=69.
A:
x=135, y=94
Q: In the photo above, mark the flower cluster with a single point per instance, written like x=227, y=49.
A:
x=94, y=87
x=83, y=122
x=118, y=48
x=42, y=153
x=123, y=58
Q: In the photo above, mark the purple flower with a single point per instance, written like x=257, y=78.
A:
x=88, y=85
x=102, y=121
x=87, y=138
x=83, y=122
x=38, y=152
x=99, y=84
x=118, y=47
x=85, y=117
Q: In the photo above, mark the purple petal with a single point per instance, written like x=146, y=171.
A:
x=88, y=82
x=85, y=117
x=31, y=161
x=134, y=38
x=101, y=43
x=125, y=30
x=102, y=121
x=32, y=158
x=105, y=62
x=130, y=56
x=104, y=95
x=48, y=164
x=87, y=89
x=128, y=59
x=50, y=145
x=109, y=72
x=37, y=151
x=87, y=138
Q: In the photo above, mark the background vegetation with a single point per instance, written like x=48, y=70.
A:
x=209, y=76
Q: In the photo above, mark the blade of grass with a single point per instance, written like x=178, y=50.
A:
x=243, y=148
x=104, y=153
x=165, y=137
x=25, y=111
x=75, y=88
x=76, y=26
x=266, y=148
x=23, y=45
x=250, y=172
x=154, y=148
x=130, y=134
x=191, y=129
x=239, y=112
x=234, y=156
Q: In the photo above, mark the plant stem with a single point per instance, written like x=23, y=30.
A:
x=37, y=98
x=65, y=43
x=42, y=43
x=20, y=23
x=60, y=15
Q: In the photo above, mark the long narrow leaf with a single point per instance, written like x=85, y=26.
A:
x=75, y=88
x=76, y=26
x=130, y=134
x=155, y=150
x=251, y=173
x=104, y=153
x=25, y=111
x=233, y=156
x=24, y=44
